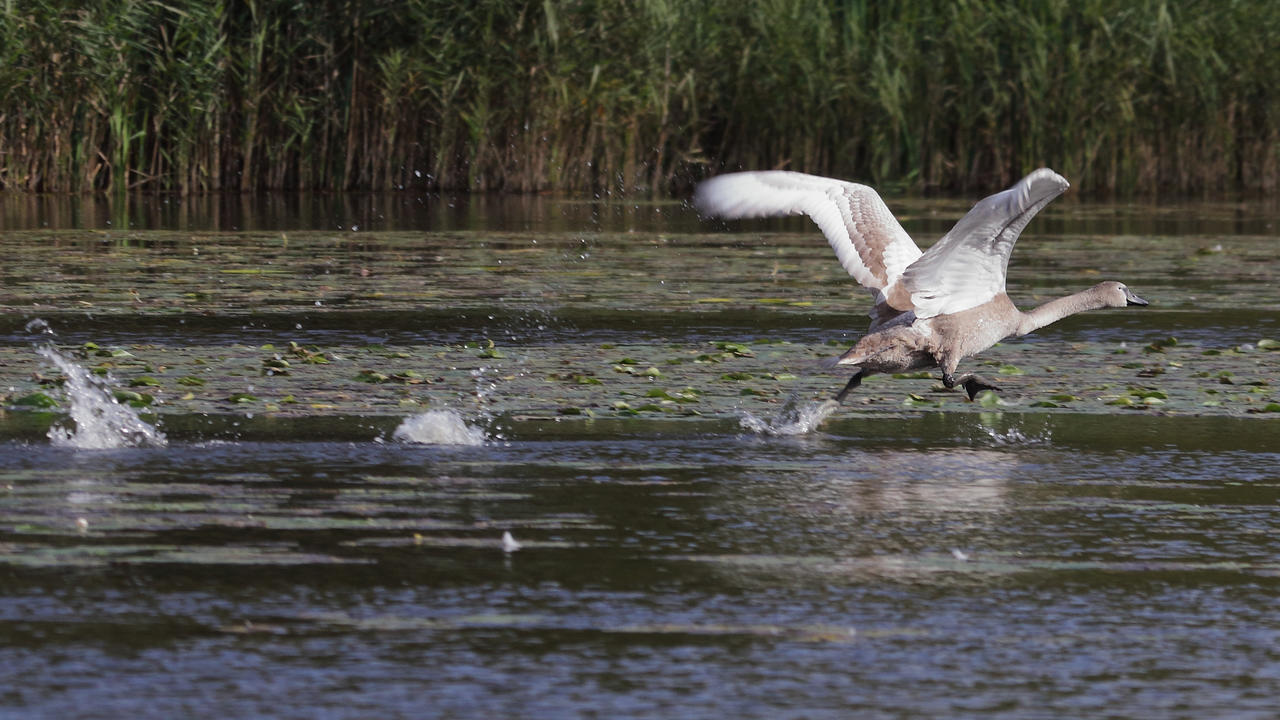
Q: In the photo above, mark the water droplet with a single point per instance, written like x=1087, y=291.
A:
x=39, y=326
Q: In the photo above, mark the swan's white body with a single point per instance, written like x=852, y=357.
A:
x=931, y=309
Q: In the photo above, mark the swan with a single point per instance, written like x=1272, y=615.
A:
x=930, y=309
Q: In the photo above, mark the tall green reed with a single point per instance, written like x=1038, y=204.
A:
x=617, y=97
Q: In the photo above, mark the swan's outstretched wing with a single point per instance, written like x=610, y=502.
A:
x=867, y=238
x=966, y=268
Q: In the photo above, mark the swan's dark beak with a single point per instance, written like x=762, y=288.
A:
x=1133, y=299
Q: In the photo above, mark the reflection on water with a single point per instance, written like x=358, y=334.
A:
x=909, y=555
x=926, y=219
x=780, y=574
x=344, y=212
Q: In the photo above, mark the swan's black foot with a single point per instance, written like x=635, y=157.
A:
x=972, y=384
x=849, y=387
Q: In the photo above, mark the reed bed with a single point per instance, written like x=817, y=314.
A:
x=648, y=95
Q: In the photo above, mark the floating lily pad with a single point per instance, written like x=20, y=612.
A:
x=988, y=399
x=919, y=375
x=133, y=399
x=36, y=400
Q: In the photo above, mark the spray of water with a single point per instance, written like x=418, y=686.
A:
x=439, y=427
x=1014, y=436
x=448, y=427
x=794, y=418
x=101, y=422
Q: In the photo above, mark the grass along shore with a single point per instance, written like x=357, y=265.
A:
x=617, y=97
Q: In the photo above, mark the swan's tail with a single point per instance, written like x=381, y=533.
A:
x=848, y=358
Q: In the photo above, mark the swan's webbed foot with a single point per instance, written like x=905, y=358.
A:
x=854, y=382
x=972, y=384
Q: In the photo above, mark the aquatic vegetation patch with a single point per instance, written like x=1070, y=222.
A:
x=547, y=377
x=247, y=344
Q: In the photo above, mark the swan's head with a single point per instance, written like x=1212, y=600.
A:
x=1115, y=294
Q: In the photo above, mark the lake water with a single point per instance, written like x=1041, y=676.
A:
x=1098, y=541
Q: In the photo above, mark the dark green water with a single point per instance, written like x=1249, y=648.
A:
x=1100, y=543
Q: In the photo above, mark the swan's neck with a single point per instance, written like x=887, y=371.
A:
x=1055, y=310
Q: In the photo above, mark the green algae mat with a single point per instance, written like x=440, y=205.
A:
x=589, y=325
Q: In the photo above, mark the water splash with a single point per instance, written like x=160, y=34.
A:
x=439, y=427
x=101, y=422
x=793, y=419
x=486, y=386
x=39, y=327
x=1014, y=437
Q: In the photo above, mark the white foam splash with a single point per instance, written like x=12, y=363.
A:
x=1014, y=436
x=101, y=422
x=39, y=327
x=439, y=427
x=792, y=419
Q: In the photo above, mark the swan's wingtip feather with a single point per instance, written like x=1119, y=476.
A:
x=1047, y=175
x=705, y=195
x=726, y=196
